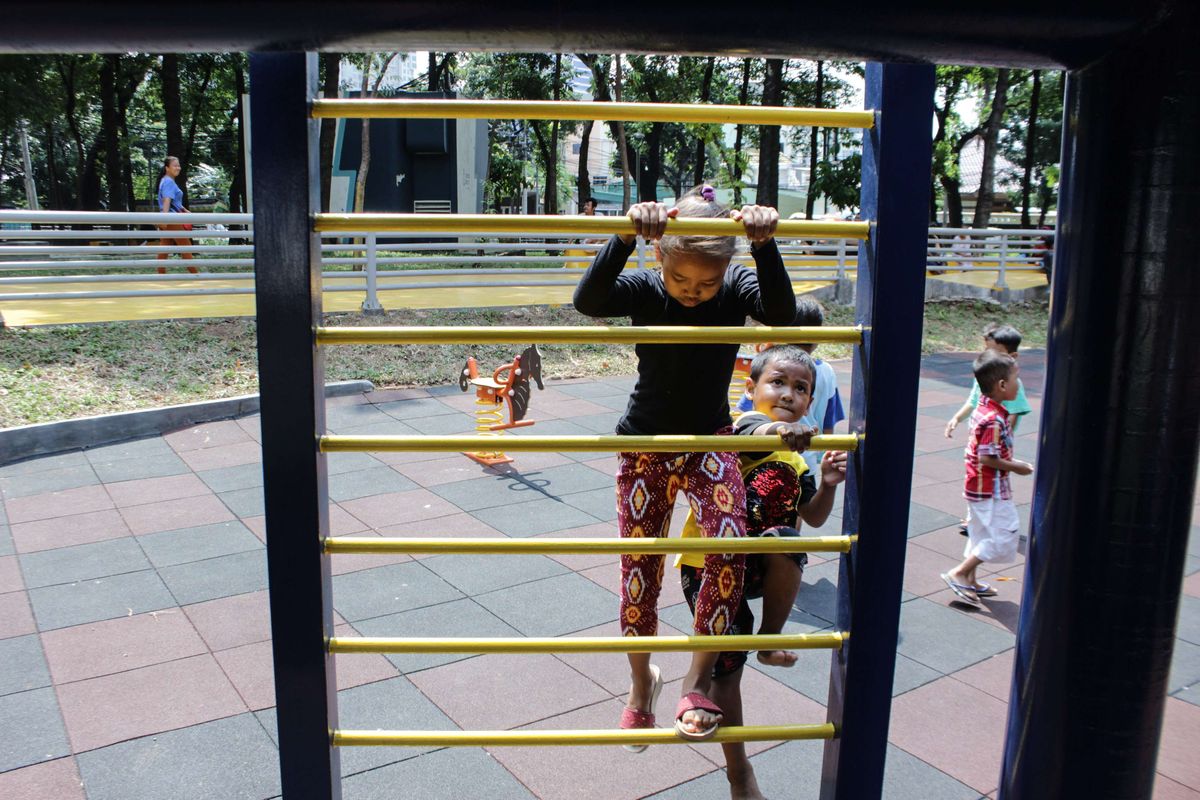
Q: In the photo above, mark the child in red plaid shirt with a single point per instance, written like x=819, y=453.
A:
x=992, y=527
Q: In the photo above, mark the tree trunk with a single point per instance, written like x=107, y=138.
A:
x=621, y=143
x=54, y=192
x=991, y=133
x=583, y=183
x=651, y=165
x=1030, y=143
x=364, y=163
x=953, y=194
x=172, y=112
x=701, y=141
x=331, y=63
x=237, y=187
x=66, y=71
x=743, y=95
x=432, y=75
x=810, y=199
x=768, y=148
x=190, y=141
x=551, y=202
x=111, y=133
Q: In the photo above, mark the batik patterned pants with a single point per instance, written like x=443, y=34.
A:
x=647, y=484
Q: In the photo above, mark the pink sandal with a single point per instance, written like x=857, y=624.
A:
x=694, y=701
x=634, y=718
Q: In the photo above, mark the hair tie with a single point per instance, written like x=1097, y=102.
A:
x=708, y=193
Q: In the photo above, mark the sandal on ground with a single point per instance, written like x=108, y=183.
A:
x=634, y=718
x=985, y=590
x=694, y=701
x=964, y=594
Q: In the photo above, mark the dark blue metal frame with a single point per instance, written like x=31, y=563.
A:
x=1120, y=424
x=890, y=306
x=287, y=264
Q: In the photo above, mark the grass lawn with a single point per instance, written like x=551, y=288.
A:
x=70, y=371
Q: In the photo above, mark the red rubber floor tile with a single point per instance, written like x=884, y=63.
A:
x=229, y=455
x=993, y=675
x=47, y=534
x=395, y=508
x=119, y=645
x=1177, y=747
x=10, y=575
x=16, y=619
x=210, y=434
x=954, y=727
x=163, y=697
x=169, y=515
x=57, y=504
x=50, y=780
x=155, y=490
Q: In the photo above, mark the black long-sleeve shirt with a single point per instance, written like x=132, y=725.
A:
x=683, y=388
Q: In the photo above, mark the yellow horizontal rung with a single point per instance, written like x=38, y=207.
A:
x=542, y=738
x=569, y=334
x=575, y=110
x=577, y=224
x=572, y=444
x=361, y=545
x=588, y=644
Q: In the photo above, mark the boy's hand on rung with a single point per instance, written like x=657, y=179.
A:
x=796, y=436
x=833, y=467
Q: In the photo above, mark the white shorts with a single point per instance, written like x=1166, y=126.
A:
x=992, y=530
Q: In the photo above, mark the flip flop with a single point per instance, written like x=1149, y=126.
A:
x=633, y=718
x=964, y=594
x=985, y=590
x=694, y=701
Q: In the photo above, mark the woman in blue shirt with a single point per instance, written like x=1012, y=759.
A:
x=170, y=201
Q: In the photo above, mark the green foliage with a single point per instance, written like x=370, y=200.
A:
x=840, y=181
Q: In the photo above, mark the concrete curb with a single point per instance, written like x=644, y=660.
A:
x=27, y=441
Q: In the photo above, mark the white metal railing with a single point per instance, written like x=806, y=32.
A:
x=43, y=241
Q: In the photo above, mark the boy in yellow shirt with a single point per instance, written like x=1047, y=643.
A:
x=780, y=491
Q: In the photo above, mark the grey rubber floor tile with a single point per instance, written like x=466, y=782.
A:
x=82, y=562
x=441, y=425
x=475, y=774
x=338, y=463
x=244, y=502
x=29, y=466
x=53, y=480
x=489, y=492
x=393, y=704
x=353, y=416
x=906, y=777
x=22, y=664
x=1185, y=667
x=226, y=479
x=380, y=479
x=97, y=599
x=818, y=591
x=598, y=423
x=552, y=427
x=391, y=427
x=590, y=391
x=791, y=770
x=923, y=519
x=138, y=448
x=947, y=640
x=33, y=729
x=464, y=618
x=132, y=469
x=600, y=503
x=1188, y=628
x=389, y=590
x=6, y=542
x=565, y=480
x=533, y=517
x=185, y=545
x=477, y=574
x=553, y=606
x=222, y=576
x=417, y=408
x=231, y=759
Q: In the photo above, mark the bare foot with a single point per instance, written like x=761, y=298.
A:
x=743, y=786
x=777, y=658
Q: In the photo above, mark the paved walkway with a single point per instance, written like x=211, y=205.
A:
x=135, y=653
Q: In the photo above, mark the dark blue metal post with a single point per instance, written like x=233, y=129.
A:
x=890, y=305
x=287, y=267
x=1120, y=428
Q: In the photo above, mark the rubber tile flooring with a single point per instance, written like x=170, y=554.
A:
x=135, y=652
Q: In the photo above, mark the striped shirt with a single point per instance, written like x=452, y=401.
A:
x=991, y=435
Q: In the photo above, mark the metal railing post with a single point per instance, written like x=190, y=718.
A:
x=1001, y=283
x=370, y=304
x=641, y=252
x=841, y=259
